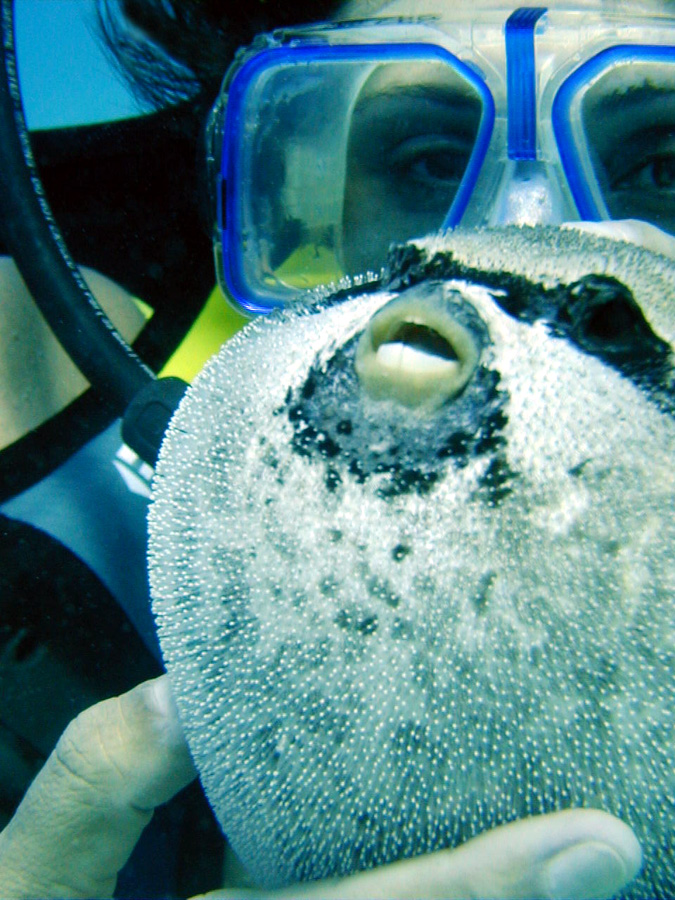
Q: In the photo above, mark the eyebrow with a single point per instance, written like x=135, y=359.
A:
x=446, y=97
x=616, y=101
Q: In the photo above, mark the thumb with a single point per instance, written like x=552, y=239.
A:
x=576, y=853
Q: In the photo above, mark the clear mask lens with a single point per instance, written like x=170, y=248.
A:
x=332, y=153
x=615, y=126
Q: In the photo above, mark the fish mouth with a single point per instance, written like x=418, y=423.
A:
x=415, y=350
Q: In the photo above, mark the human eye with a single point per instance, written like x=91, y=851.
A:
x=643, y=186
x=652, y=174
x=429, y=162
x=424, y=171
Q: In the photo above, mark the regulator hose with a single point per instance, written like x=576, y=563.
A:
x=33, y=239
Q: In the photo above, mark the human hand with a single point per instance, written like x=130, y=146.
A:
x=83, y=814
x=633, y=231
x=575, y=853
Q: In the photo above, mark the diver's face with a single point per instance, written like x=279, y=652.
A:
x=412, y=132
x=414, y=127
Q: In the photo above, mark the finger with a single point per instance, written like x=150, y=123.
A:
x=83, y=814
x=580, y=853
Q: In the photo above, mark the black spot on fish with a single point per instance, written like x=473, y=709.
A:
x=381, y=590
x=329, y=586
x=490, y=438
x=403, y=481
x=356, y=623
x=356, y=470
x=402, y=630
x=578, y=470
x=368, y=625
x=265, y=740
x=458, y=447
x=480, y=598
x=496, y=482
x=370, y=287
x=308, y=387
x=327, y=447
x=332, y=480
x=400, y=552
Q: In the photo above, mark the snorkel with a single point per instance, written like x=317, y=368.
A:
x=32, y=237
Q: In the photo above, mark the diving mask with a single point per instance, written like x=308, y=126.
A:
x=330, y=142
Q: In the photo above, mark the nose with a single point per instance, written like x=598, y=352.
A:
x=530, y=193
x=420, y=349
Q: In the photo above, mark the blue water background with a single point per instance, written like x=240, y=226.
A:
x=65, y=76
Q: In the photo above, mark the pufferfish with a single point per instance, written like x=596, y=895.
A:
x=411, y=556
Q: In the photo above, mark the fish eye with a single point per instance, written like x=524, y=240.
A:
x=602, y=316
x=610, y=321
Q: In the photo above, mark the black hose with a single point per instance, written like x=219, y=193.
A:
x=33, y=239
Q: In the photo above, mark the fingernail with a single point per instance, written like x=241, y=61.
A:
x=160, y=700
x=159, y=696
x=589, y=870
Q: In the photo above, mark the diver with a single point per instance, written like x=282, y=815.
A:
x=62, y=459
x=468, y=150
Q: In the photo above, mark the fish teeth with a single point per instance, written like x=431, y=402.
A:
x=402, y=358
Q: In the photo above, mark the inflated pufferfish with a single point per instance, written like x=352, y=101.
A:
x=411, y=557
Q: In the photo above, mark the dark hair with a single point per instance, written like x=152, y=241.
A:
x=172, y=50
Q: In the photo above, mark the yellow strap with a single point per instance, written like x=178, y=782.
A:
x=309, y=266
x=214, y=325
